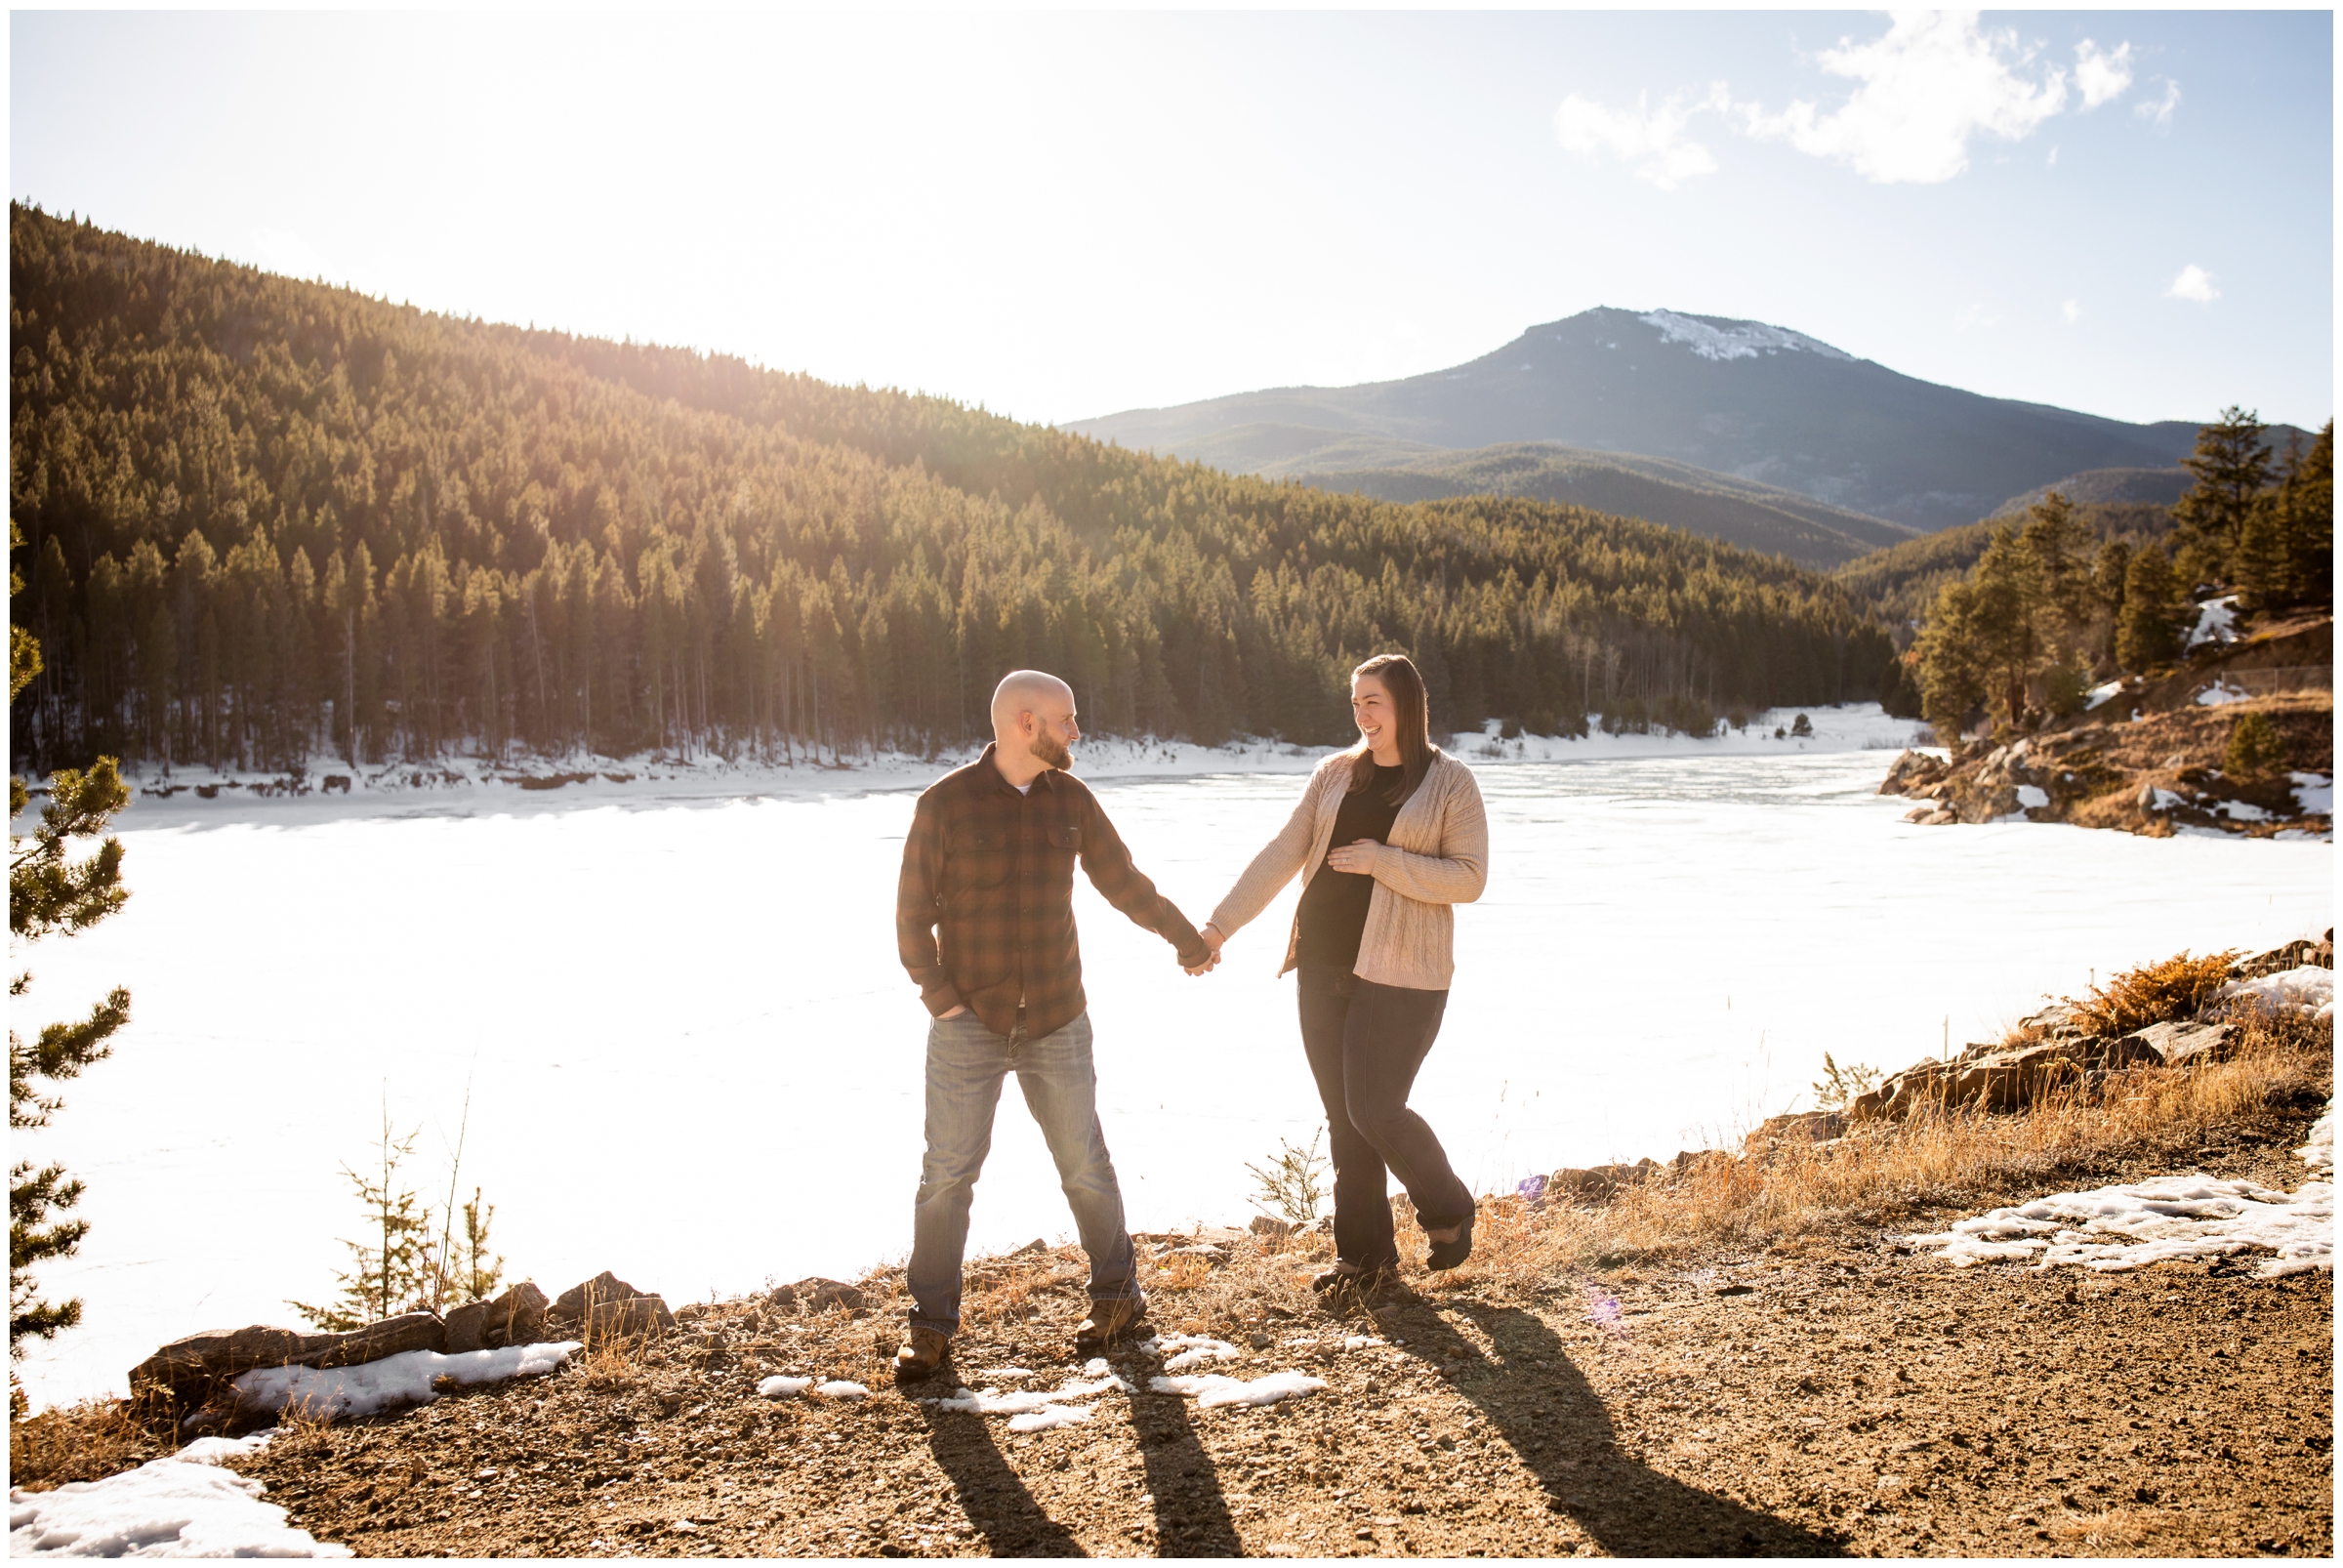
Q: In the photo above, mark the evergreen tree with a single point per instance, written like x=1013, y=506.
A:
x=2285, y=556
x=394, y=1268
x=2148, y=632
x=50, y=892
x=2231, y=466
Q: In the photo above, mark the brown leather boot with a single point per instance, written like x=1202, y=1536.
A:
x=1108, y=1321
x=922, y=1351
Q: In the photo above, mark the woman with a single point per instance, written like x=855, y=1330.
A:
x=1387, y=836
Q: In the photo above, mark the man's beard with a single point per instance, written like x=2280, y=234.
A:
x=1052, y=751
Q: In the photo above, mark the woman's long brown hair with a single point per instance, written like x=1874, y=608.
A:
x=1410, y=714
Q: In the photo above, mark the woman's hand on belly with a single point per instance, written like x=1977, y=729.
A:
x=1358, y=859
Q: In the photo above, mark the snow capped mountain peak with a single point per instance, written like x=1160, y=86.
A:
x=1734, y=339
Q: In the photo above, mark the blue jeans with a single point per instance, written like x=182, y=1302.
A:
x=965, y=1063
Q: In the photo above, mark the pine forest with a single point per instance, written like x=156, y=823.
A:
x=271, y=524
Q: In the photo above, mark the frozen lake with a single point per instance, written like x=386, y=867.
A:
x=694, y=1060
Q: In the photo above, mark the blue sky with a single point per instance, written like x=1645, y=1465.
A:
x=1060, y=214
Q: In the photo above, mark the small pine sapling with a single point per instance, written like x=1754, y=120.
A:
x=395, y=1269
x=1292, y=1187
x=1840, y=1086
x=474, y=1273
x=1801, y=727
x=2255, y=748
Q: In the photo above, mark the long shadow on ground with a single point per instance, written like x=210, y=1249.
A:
x=991, y=1494
x=1541, y=1405
x=1191, y=1513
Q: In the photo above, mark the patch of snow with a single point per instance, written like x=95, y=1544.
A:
x=2239, y=811
x=1049, y=1416
x=2164, y=799
x=2309, y=989
x=2219, y=692
x=840, y=1388
x=2100, y=694
x=1211, y=1390
x=1361, y=1341
x=186, y=1505
x=2320, y=1152
x=2130, y=1227
x=394, y=1383
x=2033, y=794
x=783, y=1387
x=1033, y=1401
x=2217, y=621
x=1012, y=1372
x=2313, y=793
x=1737, y=340
x=1179, y=1352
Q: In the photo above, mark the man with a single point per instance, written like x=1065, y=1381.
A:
x=984, y=921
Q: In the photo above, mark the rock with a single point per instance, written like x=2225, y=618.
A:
x=517, y=1317
x=2183, y=1045
x=1913, y=773
x=467, y=1327
x=392, y=1337
x=1803, y=1127
x=816, y=1293
x=1219, y=1235
x=634, y=1318
x=1688, y=1162
x=186, y=1370
x=573, y=1303
x=1598, y=1183
x=2293, y=955
x=1264, y=1226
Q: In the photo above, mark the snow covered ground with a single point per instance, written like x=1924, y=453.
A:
x=694, y=1060
x=391, y=1384
x=186, y=1505
x=2142, y=1222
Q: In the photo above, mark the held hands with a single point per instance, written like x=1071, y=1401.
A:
x=1211, y=939
x=1358, y=858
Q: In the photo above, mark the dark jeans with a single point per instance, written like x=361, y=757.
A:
x=1365, y=1043
x=965, y=1063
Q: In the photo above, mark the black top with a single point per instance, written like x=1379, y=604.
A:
x=1333, y=906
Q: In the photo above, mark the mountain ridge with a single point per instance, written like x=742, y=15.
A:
x=1743, y=398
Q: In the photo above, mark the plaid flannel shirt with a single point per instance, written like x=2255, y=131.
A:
x=984, y=912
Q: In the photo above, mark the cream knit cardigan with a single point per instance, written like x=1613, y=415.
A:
x=1437, y=855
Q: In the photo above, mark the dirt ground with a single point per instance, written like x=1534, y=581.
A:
x=1839, y=1395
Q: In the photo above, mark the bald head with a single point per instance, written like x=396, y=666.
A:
x=1032, y=724
x=1028, y=692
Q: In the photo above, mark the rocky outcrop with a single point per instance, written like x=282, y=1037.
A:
x=516, y=1317
x=1799, y=1127
x=2055, y=1048
x=1915, y=774
x=186, y=1371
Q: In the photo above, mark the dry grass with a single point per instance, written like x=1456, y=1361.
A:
x=2176, y=988
x=1934, y=1157
x=84, y=1442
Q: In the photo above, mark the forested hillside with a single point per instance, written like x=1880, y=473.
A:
x=268, y=520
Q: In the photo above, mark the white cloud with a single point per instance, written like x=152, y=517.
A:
x=1933, y=81
x=2070, y=310
x=2159, y=110
x=2052, y=160
x=1976, y=318
x=1654, y=136
x=2194, y=283
x=2102, y=76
